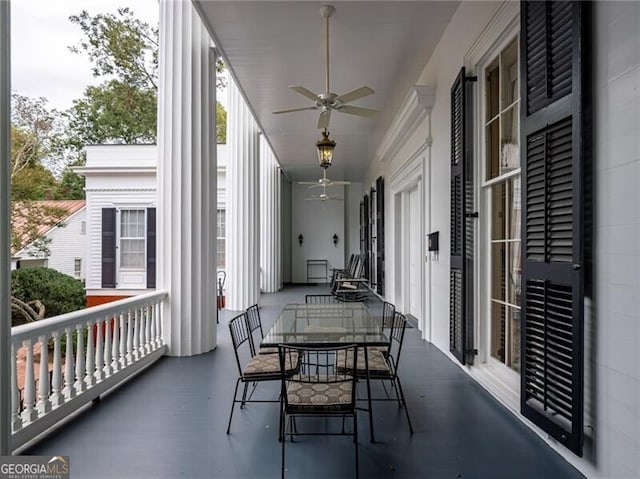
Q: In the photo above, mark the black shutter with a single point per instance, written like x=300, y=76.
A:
x=461, y=340
x=380, y=235
x=151, y=247
x=108, y=248
x=553, y=68
x=367, y=237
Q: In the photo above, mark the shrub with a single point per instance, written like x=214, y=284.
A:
x=58, y=292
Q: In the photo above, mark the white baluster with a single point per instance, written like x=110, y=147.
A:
x=152, y=328
x=123, y=343
x=44, y=405
x=29, y=413
x=90, y=365
x=157, y=312
x=147, y=330
x=108, y=332
x=16, y=420
x=57, y=398
x=115, y=346
x=99, y=374
x=80, y=371
x=68, y=391
x=136, y=334
x=143, y=319
x=129, y=356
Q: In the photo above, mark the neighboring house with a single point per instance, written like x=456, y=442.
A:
x=121, y=218
x=57, y=240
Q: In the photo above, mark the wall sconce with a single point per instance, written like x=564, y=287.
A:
x=335, y=239
x=300, y=239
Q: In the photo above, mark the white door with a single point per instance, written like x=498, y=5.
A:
x=414, y=256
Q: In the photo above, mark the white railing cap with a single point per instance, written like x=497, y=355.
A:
x=56, y=323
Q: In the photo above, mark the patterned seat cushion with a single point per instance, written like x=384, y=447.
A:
x=262, y=365
x=269, y=350
x=319, y=396
x=378, y=365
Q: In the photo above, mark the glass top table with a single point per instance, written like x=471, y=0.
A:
x=330, y=324
x=327, y=324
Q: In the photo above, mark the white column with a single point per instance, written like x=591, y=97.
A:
x=5, y=256
x=186, y=180
x=243, y=193
x=270, y=278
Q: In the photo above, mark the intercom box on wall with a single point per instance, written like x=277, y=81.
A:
x=432, y=241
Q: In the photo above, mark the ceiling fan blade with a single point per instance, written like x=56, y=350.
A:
x=295, y=109
x=307, y=182
x=334, y=198
x=355, y=94
x=339, y=183
x=317, y=185
x=323, y=121
x=313, y=198
x=304, y=92
x=356, y=110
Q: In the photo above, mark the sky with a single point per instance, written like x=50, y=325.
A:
x=41, y=63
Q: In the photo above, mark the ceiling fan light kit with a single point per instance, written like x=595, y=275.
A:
x=325, y=147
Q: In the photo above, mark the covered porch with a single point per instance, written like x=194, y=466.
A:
x=170, y=422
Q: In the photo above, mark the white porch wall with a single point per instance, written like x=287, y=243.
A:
x=352, y=197
x=613, y=388
x=187, y=198
x=317, y=221
x=287, y=233
x=616, y=333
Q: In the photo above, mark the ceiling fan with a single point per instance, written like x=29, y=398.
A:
x=323, y=197
x=324, y=181
x=327, y=101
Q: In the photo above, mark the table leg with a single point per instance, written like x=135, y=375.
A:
x=366, y=367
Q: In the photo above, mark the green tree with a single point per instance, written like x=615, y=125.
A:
x=58, y=292
x=122, y=109
x=71, y=185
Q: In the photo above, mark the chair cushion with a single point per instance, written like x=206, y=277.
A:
x=319, y=396
x=378, y=365
x=262, y=365
x=270, y=350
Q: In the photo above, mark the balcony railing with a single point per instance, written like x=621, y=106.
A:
x=77, y=357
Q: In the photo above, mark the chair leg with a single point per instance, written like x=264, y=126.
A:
x=244, y=396
x=284, y=440
x=233, y=404
x=355, y=441
x=404, y=403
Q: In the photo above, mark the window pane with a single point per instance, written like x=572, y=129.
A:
x=515, y=208
x=132, y=224
x=515, y=272
x=498, y=331
x=493, y=149
x=509, y=153
x=132, y=253
x=497, y=271
x=514, y=330
x=498, y=200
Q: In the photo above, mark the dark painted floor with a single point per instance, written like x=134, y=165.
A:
x=170, y=422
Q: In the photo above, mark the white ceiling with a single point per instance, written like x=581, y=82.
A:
x=270, y=45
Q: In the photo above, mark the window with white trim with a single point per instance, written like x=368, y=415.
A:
x=502, y=187
x=131, y=239
x=77, y=267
